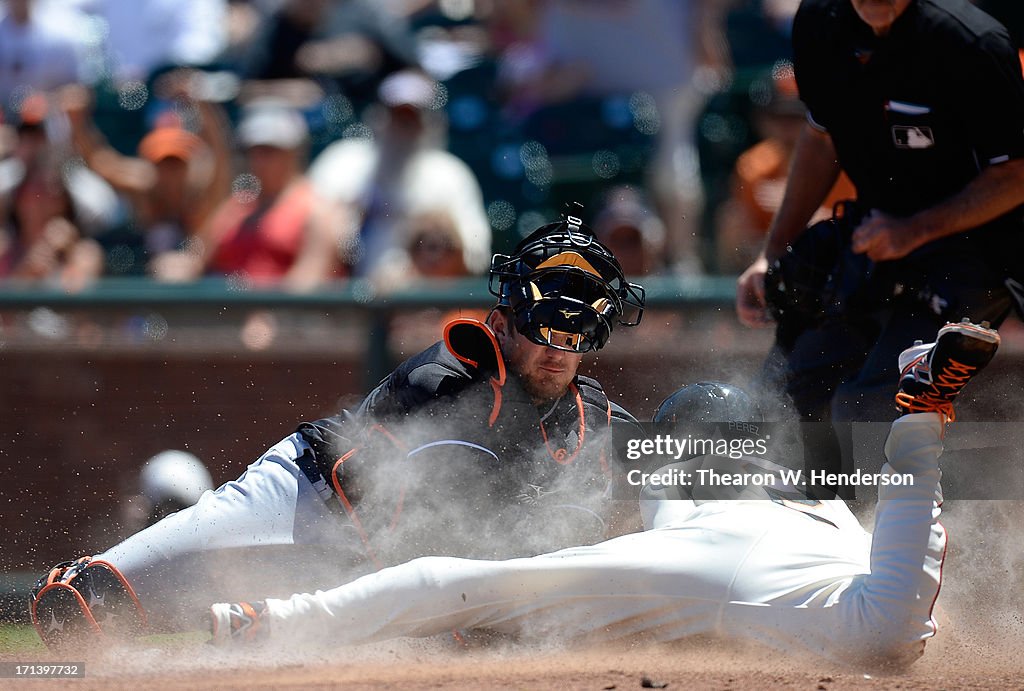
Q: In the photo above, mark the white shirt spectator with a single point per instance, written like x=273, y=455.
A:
x=431, y=180
x=144, y=35
x=403, y=173
x=34, y=56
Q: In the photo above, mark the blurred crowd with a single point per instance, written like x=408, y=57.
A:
x=298, y=142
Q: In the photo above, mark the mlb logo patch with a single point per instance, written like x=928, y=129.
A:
x=912, y=137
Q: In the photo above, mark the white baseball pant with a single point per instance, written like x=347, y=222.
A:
x=754, y=570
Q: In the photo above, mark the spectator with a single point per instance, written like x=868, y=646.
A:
x=596, y=49
x=400, y=174
x=631, y=230
x=759, y=178
x=430, y=249
x=34, y=56
x=273, y=227
x=48, y=205
x=172, y=187
x=450, y=37
x=40, y=240
x=513, y=41
x=142, y=36
x=348, y=45
x=244, y=19
x=758, y=37
x=433, y=243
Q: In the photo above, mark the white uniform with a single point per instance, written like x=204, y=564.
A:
x=742, y=569
x=177, y=565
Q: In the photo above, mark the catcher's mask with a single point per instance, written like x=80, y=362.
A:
x=565, y=289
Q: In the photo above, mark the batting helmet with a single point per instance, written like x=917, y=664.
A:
x=565, y=289
x=706, y=402
x=706, y=410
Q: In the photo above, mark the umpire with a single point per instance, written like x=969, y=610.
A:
x=921, y=102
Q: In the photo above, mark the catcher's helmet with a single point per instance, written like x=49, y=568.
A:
x=706, y=402
x=565, y=289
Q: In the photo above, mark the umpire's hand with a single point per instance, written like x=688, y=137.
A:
x=883, y=237
x=751, y=307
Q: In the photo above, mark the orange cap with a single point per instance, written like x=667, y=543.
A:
x=33, y=110
x=169, y=142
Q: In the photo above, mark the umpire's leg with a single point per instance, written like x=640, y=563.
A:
x=804, y=367
x=867, y=398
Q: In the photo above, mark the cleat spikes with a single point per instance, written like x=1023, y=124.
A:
x=933, y=374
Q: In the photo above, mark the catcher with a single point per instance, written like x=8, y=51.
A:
x=487, y=444
x=800, y=575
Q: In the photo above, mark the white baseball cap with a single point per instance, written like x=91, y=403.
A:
x=175, y=475
x=408, y=88
x=272, y=124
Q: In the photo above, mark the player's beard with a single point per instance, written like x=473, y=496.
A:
x=543, y=388
x=545, y=373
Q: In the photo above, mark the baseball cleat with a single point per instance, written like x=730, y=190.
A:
x=237, y=622
x=933, y=374
x=81, y=599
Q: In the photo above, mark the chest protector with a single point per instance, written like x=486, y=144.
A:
x=450, y=445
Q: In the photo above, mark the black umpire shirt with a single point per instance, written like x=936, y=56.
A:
x=916, y=114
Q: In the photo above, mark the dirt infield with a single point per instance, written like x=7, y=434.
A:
x=706, y=664
x=980, y=645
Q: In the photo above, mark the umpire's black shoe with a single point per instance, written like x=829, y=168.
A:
x=932, y=374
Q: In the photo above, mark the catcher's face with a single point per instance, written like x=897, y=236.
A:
x=880, y=14
x=544, y=372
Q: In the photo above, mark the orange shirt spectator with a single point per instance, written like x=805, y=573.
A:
x=759, y=179
x=273, y=228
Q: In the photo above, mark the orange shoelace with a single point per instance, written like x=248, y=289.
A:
x=934, y=400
